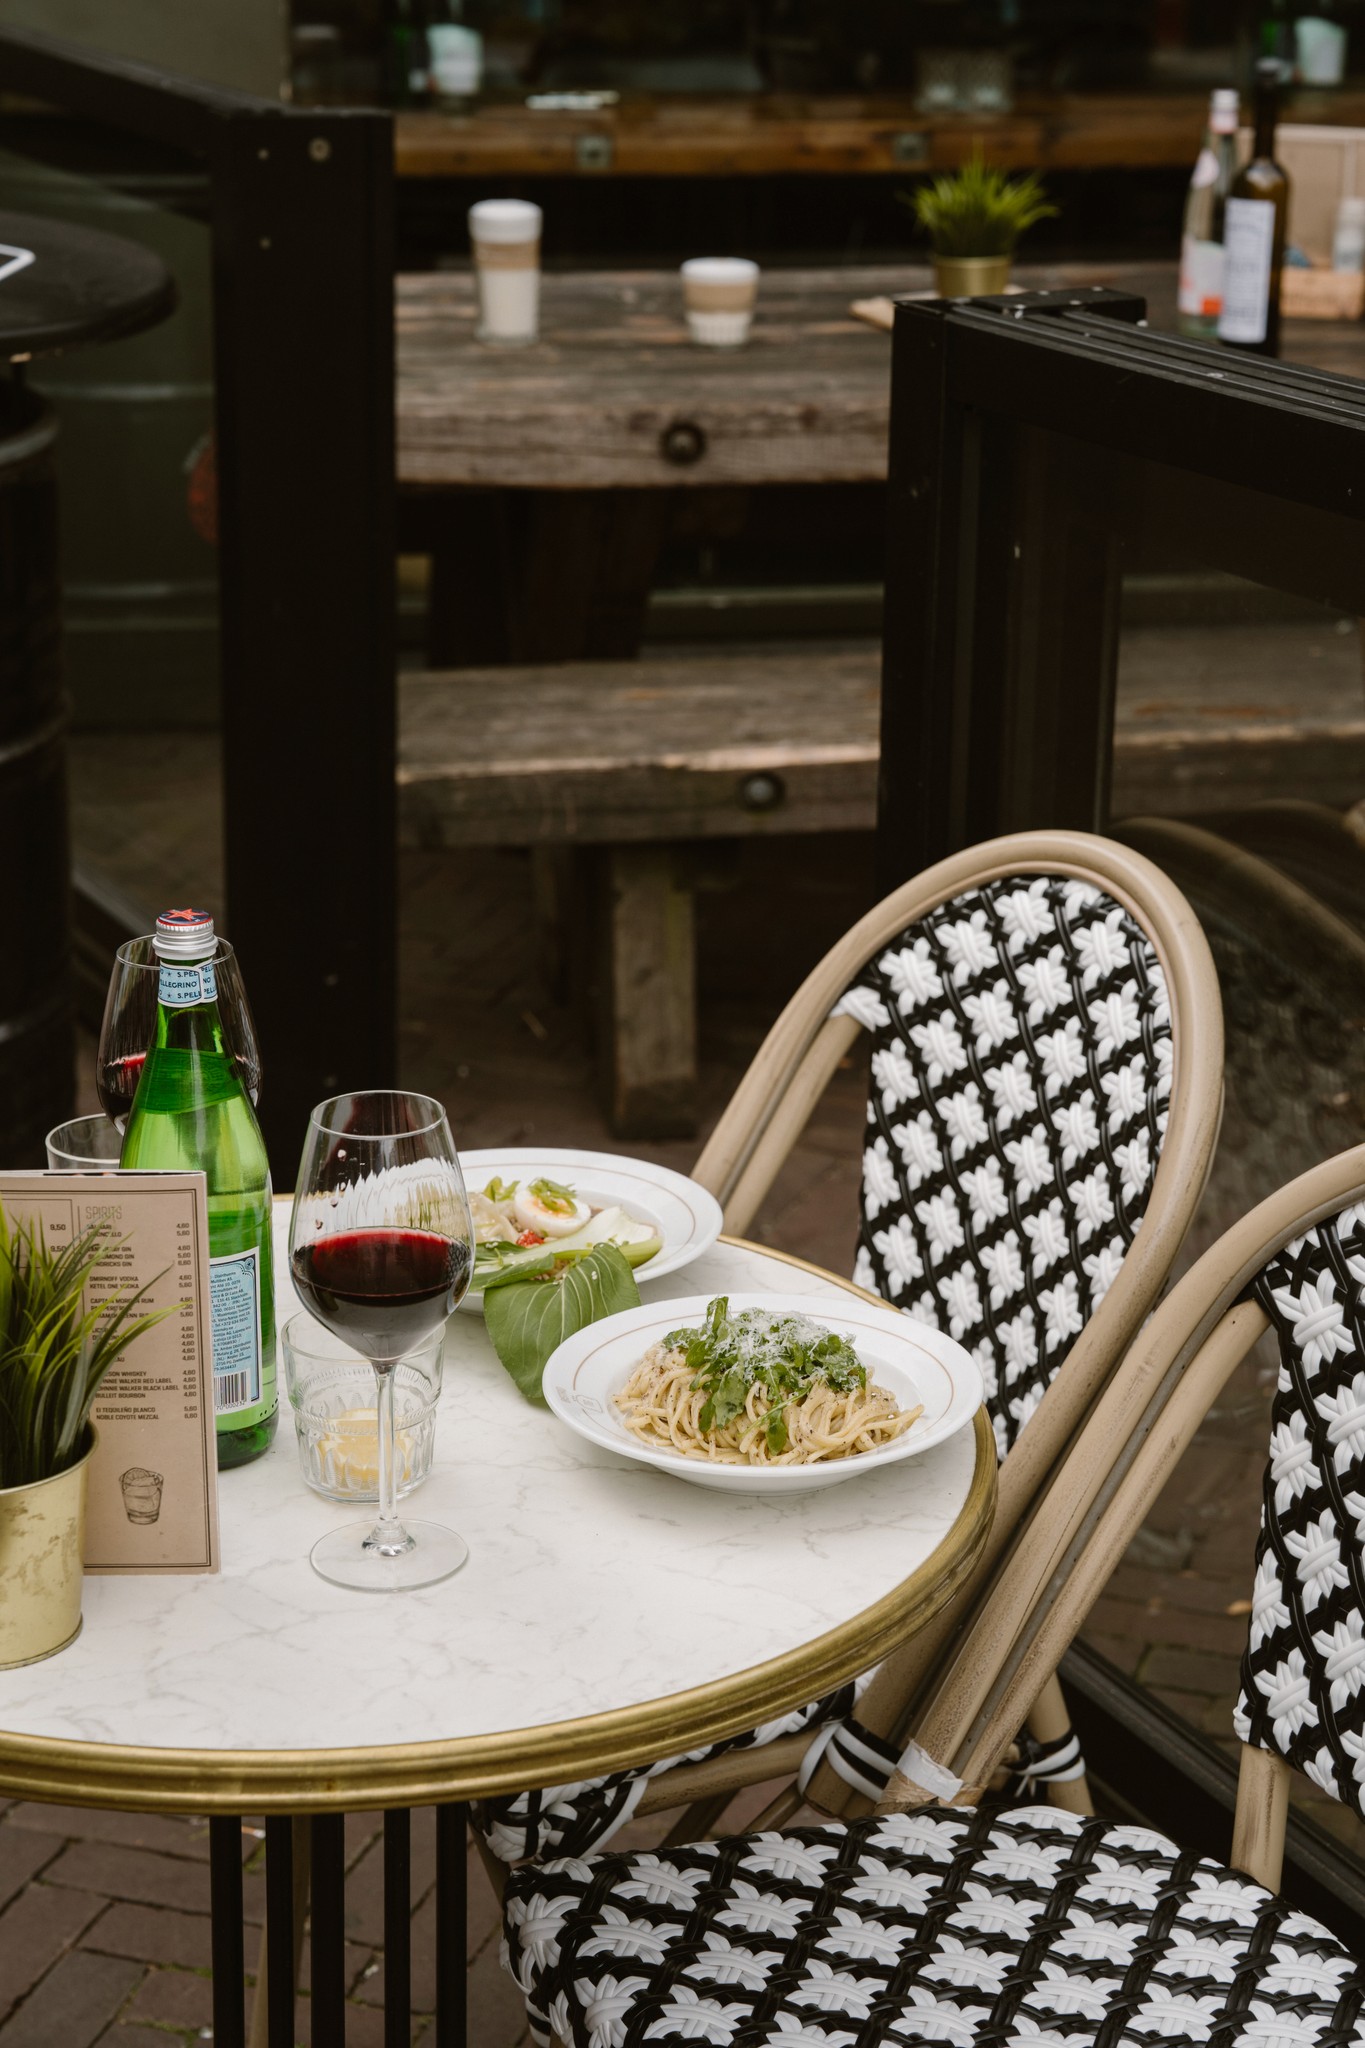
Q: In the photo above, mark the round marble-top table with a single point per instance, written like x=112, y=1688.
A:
x=607, y=1614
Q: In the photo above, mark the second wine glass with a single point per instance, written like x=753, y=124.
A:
x=129, y=1024
x=381, y=1250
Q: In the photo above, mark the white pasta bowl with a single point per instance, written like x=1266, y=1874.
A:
x=912, y=1361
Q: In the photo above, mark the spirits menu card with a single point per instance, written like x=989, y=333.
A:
x=152, y=1501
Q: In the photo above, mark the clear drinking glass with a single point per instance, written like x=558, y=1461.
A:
x=381, y=1250
x=130, y=1024
x=86, y=1144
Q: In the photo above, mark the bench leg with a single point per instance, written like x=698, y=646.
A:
x=647, y=993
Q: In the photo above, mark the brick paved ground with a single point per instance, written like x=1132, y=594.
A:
x=103, y=1932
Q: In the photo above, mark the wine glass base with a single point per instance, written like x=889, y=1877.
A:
x=346, y=1558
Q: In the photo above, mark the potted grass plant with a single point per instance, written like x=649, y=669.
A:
x=974, y=218
x=55, y=1348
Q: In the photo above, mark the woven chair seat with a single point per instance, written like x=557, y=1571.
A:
x=999, y=1929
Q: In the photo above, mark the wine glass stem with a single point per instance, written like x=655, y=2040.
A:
x=389, y=1534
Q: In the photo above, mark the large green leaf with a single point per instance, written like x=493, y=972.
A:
x=527, y=1319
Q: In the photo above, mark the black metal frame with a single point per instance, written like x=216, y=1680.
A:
x=1031, y=437
x=324, y=1846
x=1034, y=441
x=302, y=227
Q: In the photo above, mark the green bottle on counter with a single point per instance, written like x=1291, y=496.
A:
x=190, y=1114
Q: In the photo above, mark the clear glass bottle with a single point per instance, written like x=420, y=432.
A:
x=191, y=1113
x=1201, y=244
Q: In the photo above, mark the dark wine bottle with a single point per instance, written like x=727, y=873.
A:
x=192, y=1114
x=1254, y=231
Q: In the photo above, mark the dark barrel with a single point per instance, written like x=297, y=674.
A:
x=37, y=1046
x=134, y=459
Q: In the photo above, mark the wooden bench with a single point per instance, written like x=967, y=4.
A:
x=629, y=764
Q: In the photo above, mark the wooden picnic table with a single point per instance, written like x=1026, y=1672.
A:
x=740, y=135
x=542, y=480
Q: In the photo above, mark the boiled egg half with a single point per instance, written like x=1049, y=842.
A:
x=552, y=1210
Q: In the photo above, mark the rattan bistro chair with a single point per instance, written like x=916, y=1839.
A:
x=1033, y=1925
x=1046, y=1063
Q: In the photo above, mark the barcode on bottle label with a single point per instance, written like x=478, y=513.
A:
x=180, y=988
x=231, y=1390
x=235, y=1316
x=1249, y=241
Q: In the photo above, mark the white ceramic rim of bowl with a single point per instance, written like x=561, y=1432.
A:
x=505, y=220
x=614, y=1345
x=719, y=269
x=578, y=1168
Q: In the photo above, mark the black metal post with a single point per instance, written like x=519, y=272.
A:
x=302, y=222
x=452, y=1853
x=327, y=1928
x=279, y=1931
x=303, y=319
x=397, y=1927
x=225, y=1895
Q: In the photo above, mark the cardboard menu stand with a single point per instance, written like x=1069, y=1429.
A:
x=152, y=1498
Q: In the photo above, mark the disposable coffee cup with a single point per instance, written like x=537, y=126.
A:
x=505, y=237
x=456, y=56
x=718, y=297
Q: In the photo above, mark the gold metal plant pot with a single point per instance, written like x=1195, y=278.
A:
x=970, y=277
x=42, y=1554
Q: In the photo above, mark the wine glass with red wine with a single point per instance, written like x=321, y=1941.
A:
x=130, y=1024
x=381, y=1250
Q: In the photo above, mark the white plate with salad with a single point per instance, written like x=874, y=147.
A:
x=753, y=1393
x=535, y=1205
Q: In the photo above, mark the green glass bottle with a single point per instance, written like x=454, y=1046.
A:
x=191, y=1113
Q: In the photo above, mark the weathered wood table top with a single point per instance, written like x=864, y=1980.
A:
x=736, y=135
x=615, y=384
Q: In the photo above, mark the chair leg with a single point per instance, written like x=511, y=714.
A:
x=779, y=1811
x=1049, y=1722
x=696, y=1821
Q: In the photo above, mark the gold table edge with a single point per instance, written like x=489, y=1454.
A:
x=211, y=1781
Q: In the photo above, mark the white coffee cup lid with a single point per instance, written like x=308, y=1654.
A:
x=504, y=220
x=720, y=269
x=1351, y=211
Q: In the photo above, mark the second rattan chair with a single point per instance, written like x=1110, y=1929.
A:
x=1034, y=1926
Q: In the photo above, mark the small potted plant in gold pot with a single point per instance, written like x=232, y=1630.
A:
x=973, y=218
x=55, y=1348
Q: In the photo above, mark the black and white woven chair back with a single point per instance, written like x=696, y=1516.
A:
x=1021, y=1077
x=1303, y=1675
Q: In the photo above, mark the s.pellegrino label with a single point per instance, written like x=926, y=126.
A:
x=1249, y=241
x=180, y=987
x=235, y=1315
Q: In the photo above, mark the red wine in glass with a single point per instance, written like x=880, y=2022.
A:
x=382, y=1290
x=116, y=1084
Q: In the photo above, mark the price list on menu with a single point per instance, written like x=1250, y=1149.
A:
x=152, y=1500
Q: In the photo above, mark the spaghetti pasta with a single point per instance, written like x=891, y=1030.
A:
x=758, y=1389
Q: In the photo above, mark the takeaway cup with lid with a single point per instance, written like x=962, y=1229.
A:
x=718, y=297
x=505, y=237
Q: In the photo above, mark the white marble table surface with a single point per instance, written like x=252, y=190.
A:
x=592, y=1584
